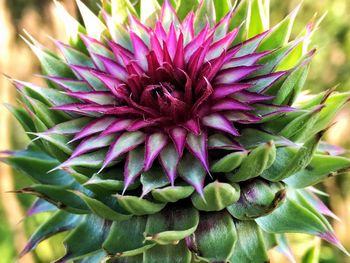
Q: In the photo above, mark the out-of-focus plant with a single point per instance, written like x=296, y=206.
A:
x=311, y=251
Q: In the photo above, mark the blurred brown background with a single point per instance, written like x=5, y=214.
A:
x=330, y=67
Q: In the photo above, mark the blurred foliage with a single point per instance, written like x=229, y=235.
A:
x=330, y=67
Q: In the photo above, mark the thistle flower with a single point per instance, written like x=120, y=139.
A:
x=167, y=135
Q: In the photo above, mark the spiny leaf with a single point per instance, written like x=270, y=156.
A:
x=332, y=106
x=40, y=206
x=300, y=127
x=279, y=34
x=293, y=216
x=93, y=227
x=63, y=198
x=290, y=160
x=23, y=118
x=36, y=165
x=59, y=222
x=50, y=64
x=102, y=210
x=257, y=17
x=317, y=170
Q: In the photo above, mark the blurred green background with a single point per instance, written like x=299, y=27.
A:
x=330, y=67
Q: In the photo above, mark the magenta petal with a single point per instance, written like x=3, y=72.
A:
x=99, y=97
x=137, y=26
x=247, y=60
x=84, y=108
x=179, y=54
x=113, y=84
x=113, y=68
x=123, y=110
x=133, y=166
x=92, y=143
x=89, y=41
x=242, y=117
x=156, y=46
x=119, y=50
x=318, y=204
x=331, y=238
x=262, y=83
x=172, y=41
x=219, y=122
x=125, y=143
x=154, y=144
x=251, y=97
x=196, y=43
x=140, y=50
x=229, y=104
x=193, y=126
x=221, y=45
x=94, y=127
x=85, y=74
x=232, y=75
x=197, y=145
x=160, y=32
x=169, y=160
x=117, y=126
x=206, y=93
x=139, y=124
x=178, y=136
x=121, y=54
x=70, y=84
x=224, y=90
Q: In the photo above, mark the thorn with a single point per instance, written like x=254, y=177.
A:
x=6, y=76
x=143, y=194
x=127, y=183
x=14, y=192
x=56, y=168
x=33, y=40
x=102, y=168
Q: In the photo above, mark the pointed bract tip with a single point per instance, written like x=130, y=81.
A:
x=127, y=182
x=25, y=250
x=102, y=168
x=331, y=238
x=59, y=167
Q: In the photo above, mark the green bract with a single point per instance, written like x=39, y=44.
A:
x=177, y=133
